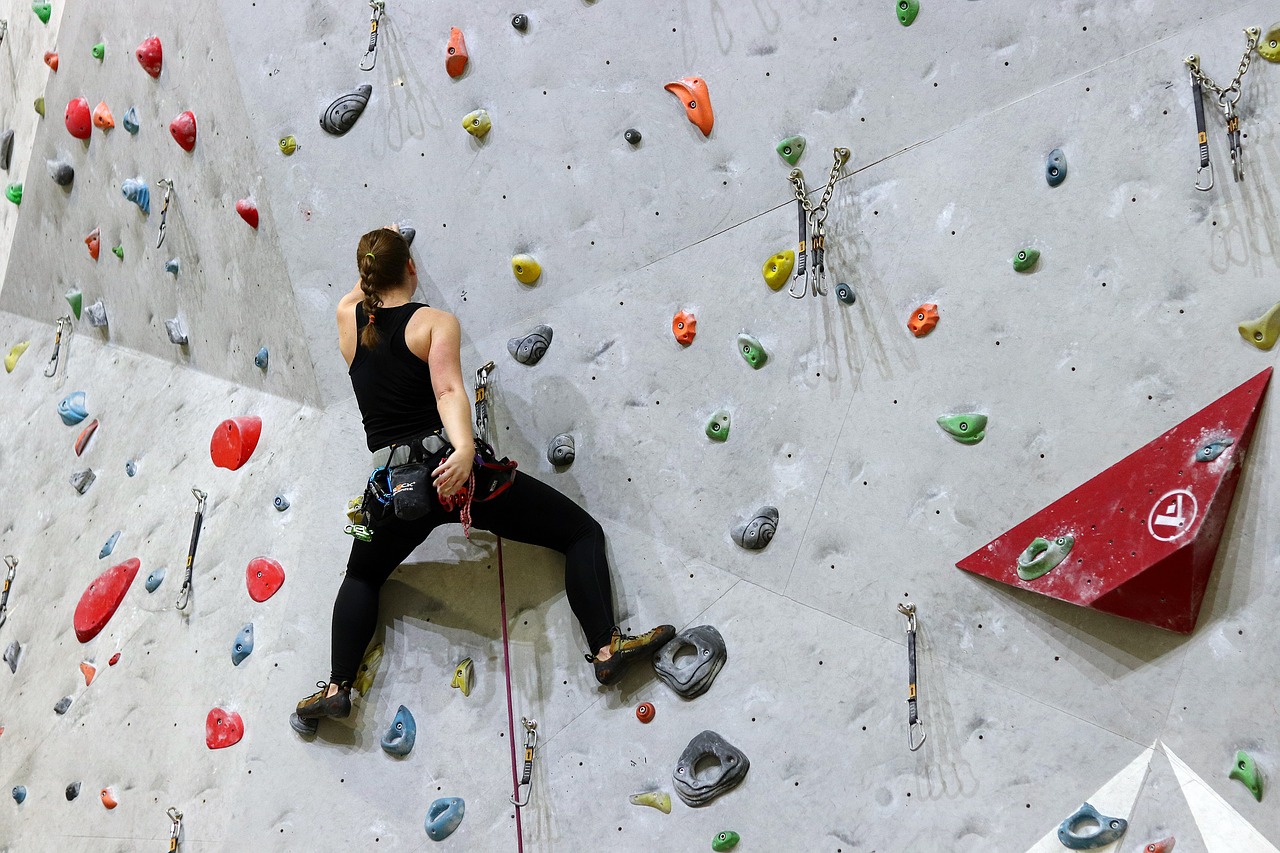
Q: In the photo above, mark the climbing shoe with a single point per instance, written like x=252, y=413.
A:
x=319, y=705
x=624, y=649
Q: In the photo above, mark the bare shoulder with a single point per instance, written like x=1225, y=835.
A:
x=347, y=304
x=426, y=325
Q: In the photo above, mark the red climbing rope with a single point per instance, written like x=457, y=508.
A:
x=511, y=718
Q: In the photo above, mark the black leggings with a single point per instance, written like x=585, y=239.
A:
x=528, y=511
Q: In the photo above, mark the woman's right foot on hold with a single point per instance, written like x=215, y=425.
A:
x=623, y=649
x=331, y=700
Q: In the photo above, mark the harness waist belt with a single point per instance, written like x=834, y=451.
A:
x=394, y=455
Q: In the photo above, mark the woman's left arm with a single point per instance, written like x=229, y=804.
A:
x=445, y=360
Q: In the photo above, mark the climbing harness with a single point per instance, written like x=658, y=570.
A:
x=64, y=322
x=11, y=562
x=1228, y=97
x=176, y=817
x=914, y=725
x=377, y=8
x=482, y=400
x=530, y=743
x=164, y=211
x=813, y=233
x=184, y=594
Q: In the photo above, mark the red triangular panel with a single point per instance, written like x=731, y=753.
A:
x=1146, y=530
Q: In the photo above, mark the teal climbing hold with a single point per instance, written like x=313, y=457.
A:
x=1055, y=167
x=1087, y=829
x=155, y=579
x=71, y=408
x=243, y=646
x=791, y=148
x=260, y=360
x=1026, y=259
x=718, y=426
x=400, y=735
x=13, y=192
x=173, y=265
x=110, y=544
x=1043, y=556
x=1246, y=771
x=725, y=841
x=130, y=120
x=968, y=428
x=281, y=503
x=19, y=793
x=1213, y=449
x=443, y=817
x=43, y=11
x=752, y=350
x=130, y=467
x=907, y=11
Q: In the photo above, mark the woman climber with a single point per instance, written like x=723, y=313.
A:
x=397, y=351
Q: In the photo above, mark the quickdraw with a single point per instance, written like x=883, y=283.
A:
x=176, y=830
x=526, y=780
x=11, y=562
x=164, y=211
x=914, y=725
x=813, y=231
x=1228, y=96
x=54, y=359
x=184, y=594
x=377, y=7
x=482, y=401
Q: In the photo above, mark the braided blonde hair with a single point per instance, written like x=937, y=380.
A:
x=381, y=258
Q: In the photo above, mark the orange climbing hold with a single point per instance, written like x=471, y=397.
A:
x=108, y=799
x=183, y=129
x=248, y=211
x=89, y=671
x=51, y=59
x=150, y=56
x=85, y=435
x=102, y=118
x=692, y=92
x=79, y=124
x=645, y=712
x=456, y=61
x=234, y=440
x=264, y=577
x=94, y=242
x=923, y=319
x=100, y=600
x=684, y=326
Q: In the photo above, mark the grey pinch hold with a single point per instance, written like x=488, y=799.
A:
x=399, y=737
x=243, y=646
x=1213, y=449
x=137, y=191
x=691, y=677
x=19, y=793
x=845, y=294
x=281, y=503
x=96, y=314
x=177, y=334
x=6, y=149
x=82, y=480
x=154, y=579
x=1102, y=830
x=757, y=532
x=11, y=654
x=62, y=172
x=561, y=450
x=73, y=791
x=408, y=232
x=262, y=358
x=700, y=789
x=341, y=115
x=63, y=704
x=532, y=347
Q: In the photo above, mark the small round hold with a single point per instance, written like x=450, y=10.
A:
x=281, y=503
x=130, y=467
x=845, y=294
x=632, y=135
x=520, y=22
x=645, y=712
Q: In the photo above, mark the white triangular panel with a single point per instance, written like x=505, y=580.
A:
x=1223, y=828
x=1116, y=798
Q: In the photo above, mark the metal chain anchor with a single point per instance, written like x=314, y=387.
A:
x=914, y=725
x=176, y=817
x=184, y=594
x=526, y=779
x=1227, y=96
x=482, y=400
x=377, y=8
x=11, y=562
x=813, y=233
x=64, y=322
x=164, y=211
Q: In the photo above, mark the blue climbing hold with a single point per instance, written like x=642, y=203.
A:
x=281, y=503
x=1213, y=449
x=136, y=190
x=19, y=793
x=261, y=358
x=155, y=579
x=172, y=266
x=443, y=817
x=109, y=546
x=72, y=409
x=1087, y=829
x=1055, y=167
x=400, y=736
x=130, y=120
x=130, y=467
x=243, y=646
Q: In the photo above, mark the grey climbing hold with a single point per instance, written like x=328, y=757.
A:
x=62, y=172
x=71, y=408
x=443, y=817
x=1055, y=167
x=699, y=789
x=109, y=545
x=520, y=22
x=82, y=480
x=243, y=646
x=341, y=115
x=155, y=579
x=173, y=265
x=11, y=654
x=1087, y=829
x=19, y=794
x=137, y=191
x=408, y=232
x=261, y=359
x=532, y=347
x=130, y=120
x=400, y=735
x=632, y=135
x=177, y=334
x=73, y=791
x=96, y=314
x=845, y=294
x=561, y=450
x=691, y=676
x=1213, y=449
x=281, y=503
x=63, y=704
x=6, y=149
x=130, y=467
x=757, y=532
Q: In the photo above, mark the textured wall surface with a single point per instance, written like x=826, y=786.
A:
x=1126, y=327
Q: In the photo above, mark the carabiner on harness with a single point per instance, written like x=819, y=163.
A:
x=914, y=725
x=526, y=780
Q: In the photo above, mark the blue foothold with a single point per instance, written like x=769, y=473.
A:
x=281, y=503
x=19, y=793
x=173, y=265
x=130, y=467
x=109, y=546
x=261, y=358
x=1055, y=167
x=243, y=646
x=137, y=191
x=130, y=120
x=72, y=409
x=399, y=739
x=1213, y=449
x=443, y=817
x=155, y=579
x=1087, y=829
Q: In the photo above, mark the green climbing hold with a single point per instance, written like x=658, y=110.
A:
x=969, y=428
x=118, y=251
x=791, y=148
x=1246, y=771
x=1043, y=556
x=907, y=11
x=1026, y=259
x=752, y=350
x=725, y=841
x=13, y=192
x=75, y=299
x=718, y=426
x=42, y=10
x=99, y=50
x=40, y=106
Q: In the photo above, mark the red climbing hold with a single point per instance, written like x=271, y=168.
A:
x=150, y=56
x=264, y=577
x=100, y=600
x=51, y=59
x=85, y=435
x=183, y=128
x=115, y=659
x=1144, y=532
x=455, y=61
x=94, y=242
x=89, y=671
x=222, y=728
x=248, y=211
x=234, y=440
x=79, y=122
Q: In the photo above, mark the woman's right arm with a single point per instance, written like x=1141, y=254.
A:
x=445, y=361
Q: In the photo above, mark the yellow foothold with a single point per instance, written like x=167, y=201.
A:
x=526, y=269
x=368, y=669
x=659, y=800
x=1269, y=44
x=11, y=360
x=288, y=145
x=462, y=676
x=778, y=269
x=1262, y=332
x=477, y=123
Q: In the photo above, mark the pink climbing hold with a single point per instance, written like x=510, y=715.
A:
x=183, y=128
x=264, y=577
x=150, y=56
x=234, y=440
x=79, y=122
x=100, y=600
x=222, y=728
x=248, y=211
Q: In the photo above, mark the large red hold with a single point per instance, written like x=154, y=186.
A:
x=183, y=128
x=222, y=728
x=248, y=211
x=264, y=577
x=79, y=122
x=151, y=56
x=99, y=602
x=234, y=440
x=1139, y=539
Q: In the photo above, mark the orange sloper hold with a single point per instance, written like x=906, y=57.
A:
x=94, y=242
x=456, y=60
x=692, y=92
x=102, y=118
x=51, y=59
x=89, y=671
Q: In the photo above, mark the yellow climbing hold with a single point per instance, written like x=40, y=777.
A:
x=477, y=123
x=11, y=360
x=368, y=669
x=1269, y=44
x=659, y=800
x=778, y=269
x=1262, y=332
x=462, y=676
x=526, y=269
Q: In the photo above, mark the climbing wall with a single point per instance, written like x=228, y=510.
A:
x=1125, y=327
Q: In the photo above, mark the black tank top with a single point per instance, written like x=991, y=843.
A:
x=392, y=385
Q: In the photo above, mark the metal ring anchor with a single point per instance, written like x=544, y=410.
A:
x=914, y=725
